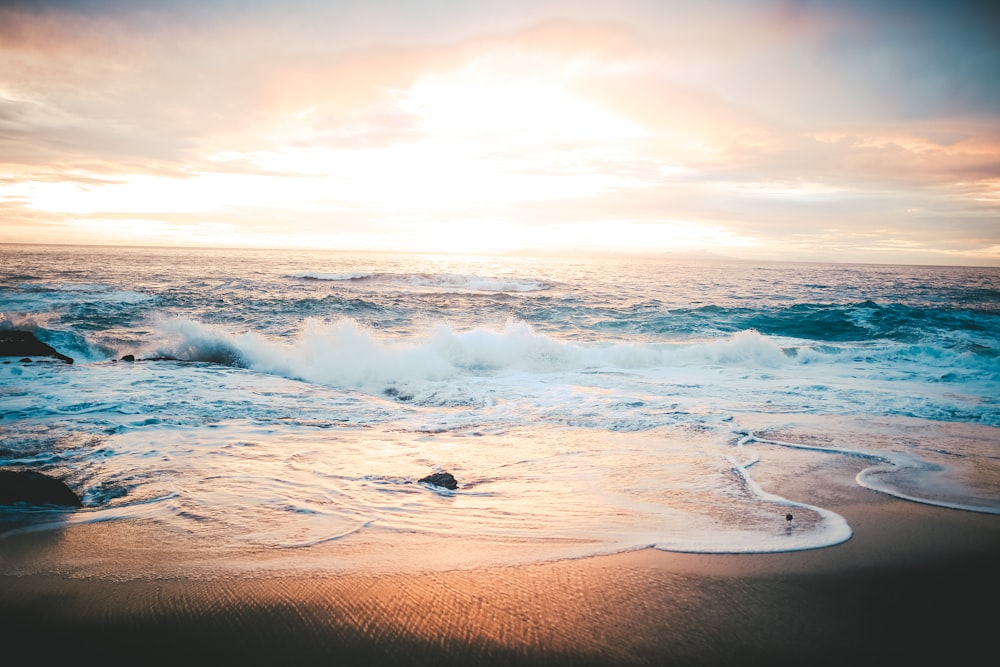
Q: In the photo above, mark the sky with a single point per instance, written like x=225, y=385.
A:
x=854, y=131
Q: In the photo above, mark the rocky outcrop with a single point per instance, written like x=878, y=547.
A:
x=35, y=488
x=25, y=344
x=443, y=479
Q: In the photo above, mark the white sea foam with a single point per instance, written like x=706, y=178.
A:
x=22, y=321
x=445, y=366
x=346, y=353
x=906, y=476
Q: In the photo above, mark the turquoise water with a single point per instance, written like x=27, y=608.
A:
x=290, y=401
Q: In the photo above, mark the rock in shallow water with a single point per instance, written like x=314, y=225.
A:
x=28, y=486
x=24, y=344
x=443, y=479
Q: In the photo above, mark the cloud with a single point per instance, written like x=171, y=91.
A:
x=764, y=121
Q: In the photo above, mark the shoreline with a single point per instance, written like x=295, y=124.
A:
x=911, y=584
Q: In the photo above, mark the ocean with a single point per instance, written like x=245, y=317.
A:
x=284, y=404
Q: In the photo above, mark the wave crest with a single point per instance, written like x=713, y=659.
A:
x=433, y=282
x=346, y=354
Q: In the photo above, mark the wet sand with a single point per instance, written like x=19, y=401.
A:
x=915, y=584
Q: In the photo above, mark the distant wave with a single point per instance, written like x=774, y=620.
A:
x=314, y=275
x=92, y=292
x=864, y=321
x=456, y=282
x=444, y=282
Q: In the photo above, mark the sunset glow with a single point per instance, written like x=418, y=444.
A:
x=745, y=129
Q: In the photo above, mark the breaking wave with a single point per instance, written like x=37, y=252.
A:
x=347, y=354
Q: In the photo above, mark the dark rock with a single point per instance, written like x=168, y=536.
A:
x=24, y=344
x=443, y=479
x=392, y=392
x=28, y=486
x=128, y=357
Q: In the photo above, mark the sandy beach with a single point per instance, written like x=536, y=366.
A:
x=915, y=583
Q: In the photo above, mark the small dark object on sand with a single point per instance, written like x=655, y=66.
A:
x=788, y=518
x=443, y=479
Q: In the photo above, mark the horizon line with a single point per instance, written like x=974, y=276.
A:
x=693, y=255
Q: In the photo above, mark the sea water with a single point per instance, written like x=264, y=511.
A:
x=287, y=402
